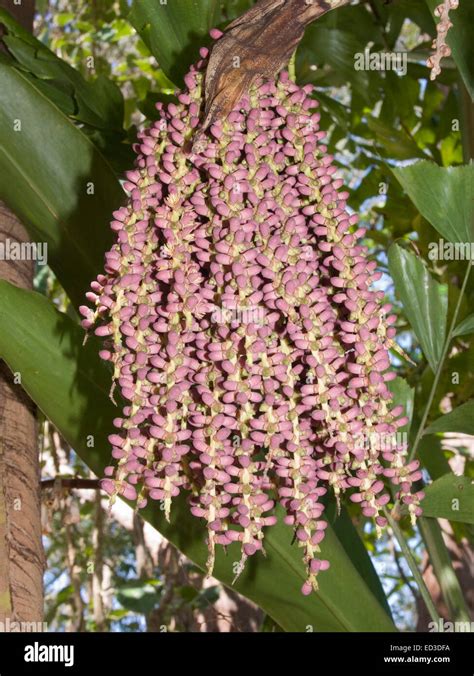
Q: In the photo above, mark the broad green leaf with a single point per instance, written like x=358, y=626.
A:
x=432, y=456
x=460, y=420
x=403, y=395
x=450, y=497
x=70, y=385
x=460, y=39
x=335, y=49
x=396, y=143
x=444, y=196
x=174, y=31
x=138, y=595
x=402, y=10
x=425, y=302
x=56, y=181
x=96, y=102
x=465, y=327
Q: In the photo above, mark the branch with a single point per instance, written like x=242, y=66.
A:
x=425, y=594
x=256, y=45
x=73, y=482
x=404, y=578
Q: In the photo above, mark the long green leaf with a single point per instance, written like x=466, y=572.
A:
x=97, y=102
x=56, y=181
x=444, y=196
x=174, y=31
x=450, y=497
x=461, y=420
x=465, y=327
x=443, y=569
x=433, y=459
x=70, y=384
x=425, y=302
x=403, y=395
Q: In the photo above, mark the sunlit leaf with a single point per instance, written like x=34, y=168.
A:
x=461, y=420
x=425, y=301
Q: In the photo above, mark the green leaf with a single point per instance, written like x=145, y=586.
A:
x=70, y=385
x=460, y=40
x=97, y=102
x=173, y=32
x=465, y=327
x=187, y=593
x=444, y=196
x=137, y=595
x=64, y=18
x=425, y=302
x=460, y=420
x=335, y=49
x=443, y=568
x=432, y=456
x=450, y=497
x=56, y=181
x=403, y=395
x=118, y=614
x=396, y=143
x=207, y=597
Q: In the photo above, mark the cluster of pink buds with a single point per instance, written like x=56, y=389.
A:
x=236, y=310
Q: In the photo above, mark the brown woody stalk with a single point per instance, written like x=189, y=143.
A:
x=257, y=44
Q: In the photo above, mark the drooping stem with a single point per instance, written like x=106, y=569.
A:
x=425, y=594
x=439, y=369
x=71, y=483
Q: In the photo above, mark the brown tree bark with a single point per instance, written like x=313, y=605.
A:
x=21, y=552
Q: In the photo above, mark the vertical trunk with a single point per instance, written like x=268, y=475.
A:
x=98, y=574
x=21, y=553
x=77, y=621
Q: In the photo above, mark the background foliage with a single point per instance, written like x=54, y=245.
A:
x=81, y=88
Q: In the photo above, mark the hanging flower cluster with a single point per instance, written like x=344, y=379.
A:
x=237, y=313
x=440, y=46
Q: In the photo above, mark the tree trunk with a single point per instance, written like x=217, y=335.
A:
x=21, y=552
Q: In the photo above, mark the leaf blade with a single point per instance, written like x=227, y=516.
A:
x=56, y=181
x=425, y=301
x=174, y=32
x=450, y=497
x=444, y=196
x=465, y=327
x=460, y=420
